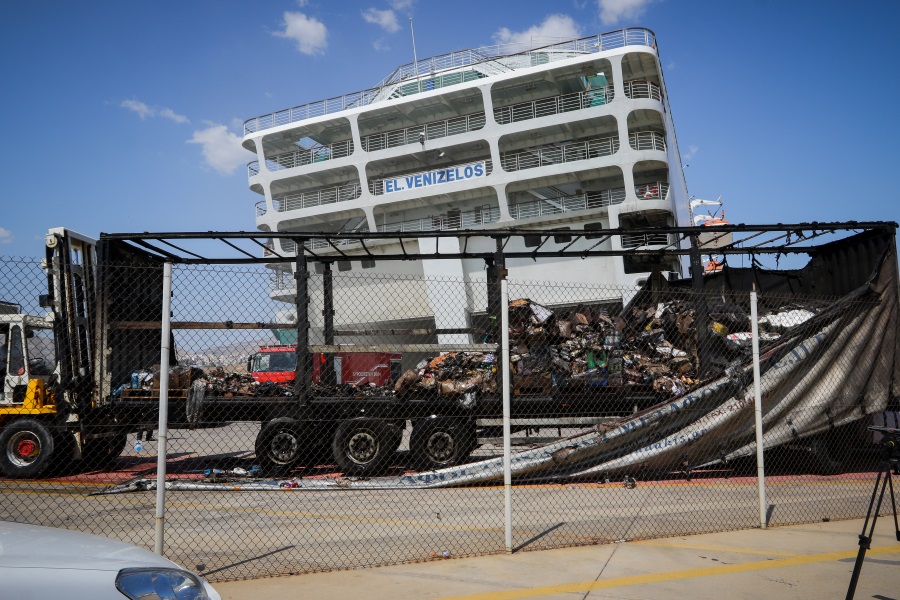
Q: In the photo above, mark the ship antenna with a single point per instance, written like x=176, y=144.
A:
x=415, y=58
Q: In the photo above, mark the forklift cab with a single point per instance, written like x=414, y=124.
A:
x=26, y=353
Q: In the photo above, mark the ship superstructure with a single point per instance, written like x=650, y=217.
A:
x=572, y=135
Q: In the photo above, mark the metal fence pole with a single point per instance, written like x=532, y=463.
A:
x=301, y=302
x=507, y=454
x=163, y=435
x=757, y=402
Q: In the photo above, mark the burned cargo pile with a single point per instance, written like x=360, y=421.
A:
x=586, y=347
x=651, y=346
x=455, y=373
x=217, y=383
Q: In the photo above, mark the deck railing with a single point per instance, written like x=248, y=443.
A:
x=525, y=55
x=642, y=89
x=566, y=204
x=460, y=220
x=654, y=190
x=304, y=156
x=376, y=186
x=647, y=140
x=554, y=155
x=553, y=105
x=636, y=240
x=430, y=131
x=340, y=193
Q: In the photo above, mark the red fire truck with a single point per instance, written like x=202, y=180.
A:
x=278, y=363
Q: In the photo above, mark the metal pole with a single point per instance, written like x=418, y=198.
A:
x=507, y=454
x=329, y=376
x=301, y=302
x=163, y=435
x=415, y=58
x=757, y=403
x=704, y=340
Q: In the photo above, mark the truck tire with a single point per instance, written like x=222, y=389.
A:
x=280, y=446
x=828, y=454
x=100, y=453
x=26, y=449
x=362, y=446
x=439, y=442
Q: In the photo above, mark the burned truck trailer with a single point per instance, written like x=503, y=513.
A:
x=593, y=364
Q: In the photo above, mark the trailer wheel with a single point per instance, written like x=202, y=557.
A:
x=280, y=446
x=439, y=442
x=26, y=448
x=362, y=446
x=101, y=452
x=828, y=454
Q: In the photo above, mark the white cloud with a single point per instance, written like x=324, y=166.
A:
x=554, y=26
x=221, y=149
x=401, y=4
x=612, y=11
x=691, y=153
x=310, y=34
x=144, y=111
x=6, y=236
x=380, y=46
x=386, y=19
x=302, y=3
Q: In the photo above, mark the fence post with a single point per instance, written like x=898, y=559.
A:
x=329, y=376
x=301, y=303
x=503, y=364
x=163, y=434
x=757, y=402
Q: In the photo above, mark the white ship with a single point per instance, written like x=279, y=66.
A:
x=573, y=135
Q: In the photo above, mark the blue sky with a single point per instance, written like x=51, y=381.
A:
x=126, y=116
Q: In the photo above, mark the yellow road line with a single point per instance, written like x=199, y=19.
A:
x=617, y=582
x=664, y=544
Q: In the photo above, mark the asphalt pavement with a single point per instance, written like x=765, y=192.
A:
x=801, y=561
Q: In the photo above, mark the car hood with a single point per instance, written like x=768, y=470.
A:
x=24, y=546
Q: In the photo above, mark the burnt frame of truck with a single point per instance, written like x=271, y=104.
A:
x=835, y=268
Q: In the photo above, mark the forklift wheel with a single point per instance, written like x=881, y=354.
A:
x=26, y=447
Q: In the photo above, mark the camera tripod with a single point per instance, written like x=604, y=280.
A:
x=890, y=461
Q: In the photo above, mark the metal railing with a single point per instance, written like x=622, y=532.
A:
x=565, y=204
x=431, y=131
x=642, y=89
x=376, y=186
x=656, y=190
x=647, y=140
x=340, y=193
x=459, y=220
x=637, y=240
x=522, y=55
x=290, y=246
x=553, y=105
x=261, y=208
x=553, y=155
x=304, y=156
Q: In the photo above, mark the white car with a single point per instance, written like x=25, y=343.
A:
x=43, y=562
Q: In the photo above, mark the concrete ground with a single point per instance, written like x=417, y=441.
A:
x=801, y=561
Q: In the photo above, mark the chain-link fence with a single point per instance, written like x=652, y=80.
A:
x=342, y=419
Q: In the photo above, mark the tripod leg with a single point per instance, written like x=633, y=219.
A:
x=865, y=541
x=893, y=505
